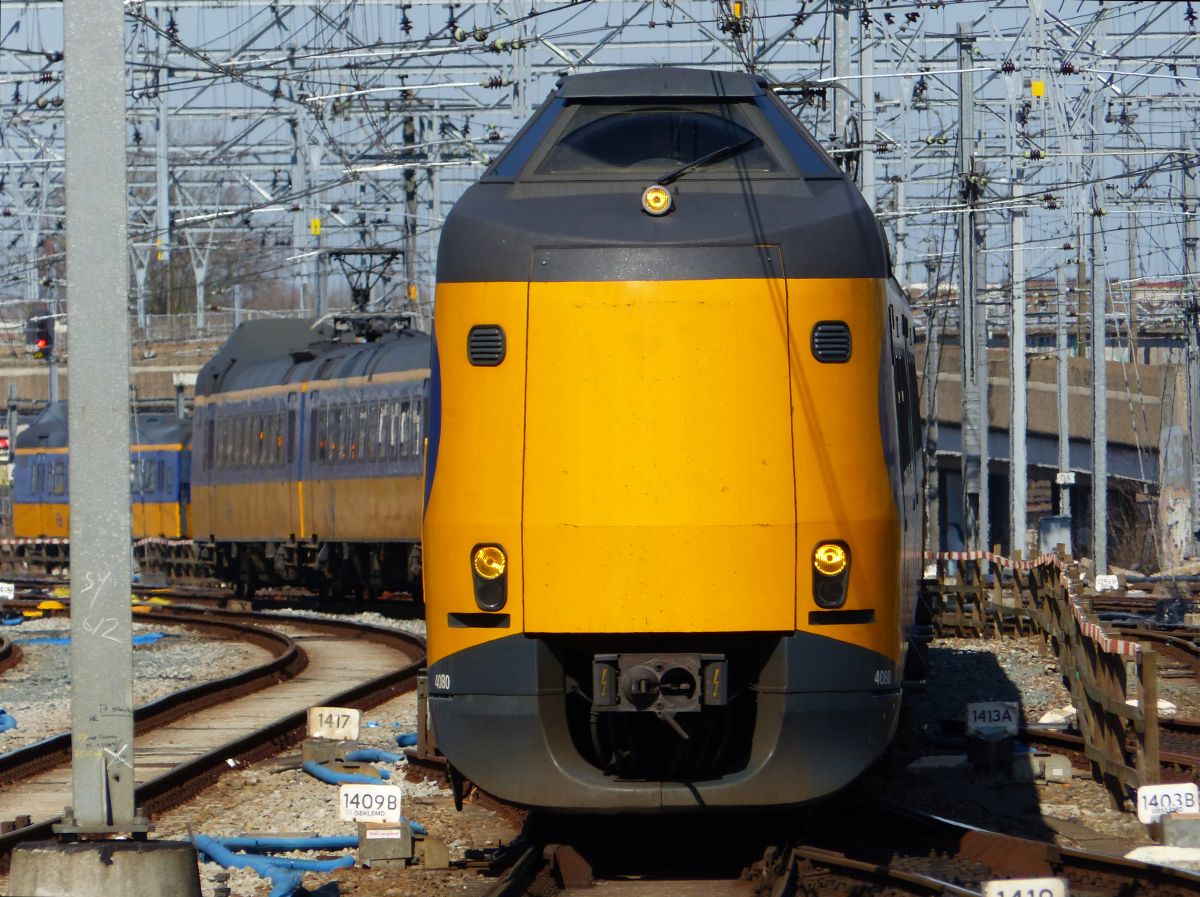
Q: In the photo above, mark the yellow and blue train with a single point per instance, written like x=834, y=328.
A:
x=672, y=525
x=159, y=472
x=301, y=465
x=307, y=467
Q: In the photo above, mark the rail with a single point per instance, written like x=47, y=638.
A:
x=1048, y=596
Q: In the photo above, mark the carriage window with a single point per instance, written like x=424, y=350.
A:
x=416, y=429
x=208, y=444
x=394, y=432
x=334, y=432
x=362, y=431
x=166, y=475
x=372, y=442
x=147, y=477
x=59, y=478
x=405, y=424
x=291, y=435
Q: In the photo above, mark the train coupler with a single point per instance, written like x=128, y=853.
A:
x=664, y=684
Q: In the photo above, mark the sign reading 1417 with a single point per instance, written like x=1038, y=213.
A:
x=333, y=722
x=993, y=716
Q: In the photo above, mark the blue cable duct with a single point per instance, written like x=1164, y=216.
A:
x=283, y=872
x=282, y=845
x=7, y=721
x=407, y=739
x=374, y=755
x=332, y=777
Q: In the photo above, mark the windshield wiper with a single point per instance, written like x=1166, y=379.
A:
x=715, y=156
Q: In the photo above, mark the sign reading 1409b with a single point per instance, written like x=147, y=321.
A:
x=369, y=803
x=990, y=717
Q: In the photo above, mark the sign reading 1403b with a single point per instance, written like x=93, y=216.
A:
x=989, y=717
x=1156, y=801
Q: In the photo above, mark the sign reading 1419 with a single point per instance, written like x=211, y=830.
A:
x=333, y=722
x=1026, y=887
x=993, y=716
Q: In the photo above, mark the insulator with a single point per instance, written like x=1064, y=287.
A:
x=481, y=35
x=1066, y=69
x=1008, y=66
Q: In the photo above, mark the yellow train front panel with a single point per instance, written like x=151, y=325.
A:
x=658, y=476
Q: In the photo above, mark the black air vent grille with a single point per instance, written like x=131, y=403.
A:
x=831, y=342
x=485, y=345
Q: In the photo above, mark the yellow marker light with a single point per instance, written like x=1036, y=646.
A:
x=142, y=609
x=489, y=561
x=829, y=559
x=656, y=200
x=51, y=605
x=32, y=614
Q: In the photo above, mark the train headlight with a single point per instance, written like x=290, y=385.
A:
x=656, y=200
x=489, y=566
x=830, y=558
x=831, y=573
x=489, y=561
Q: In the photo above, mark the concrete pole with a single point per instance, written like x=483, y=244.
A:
x=972, y=319
x=316, y=272
x=1018, y=418
x=11, y=423
x=1131, y=248
x=410, y=215
x=934, y=334
x=1099, y=399
x=237, y=305
x=162, y=182
x=97, y=287
x=866, y=57
x=1191, y=266
x=301, y=224
x=1064, y=419
x=841, y=72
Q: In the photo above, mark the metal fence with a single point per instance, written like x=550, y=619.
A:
x=987, y=595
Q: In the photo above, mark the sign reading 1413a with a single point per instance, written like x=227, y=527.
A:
x=990, y=717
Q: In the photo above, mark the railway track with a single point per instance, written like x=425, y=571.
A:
x=848, y=846
x=186, y=740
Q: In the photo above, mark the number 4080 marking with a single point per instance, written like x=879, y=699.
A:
x=441, y=681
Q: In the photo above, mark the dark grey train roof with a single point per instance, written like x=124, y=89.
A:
x=648, y=83
x=501, y=226
x=49, y=429
x=275, y=352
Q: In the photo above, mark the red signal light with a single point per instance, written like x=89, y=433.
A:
x=43, y=343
